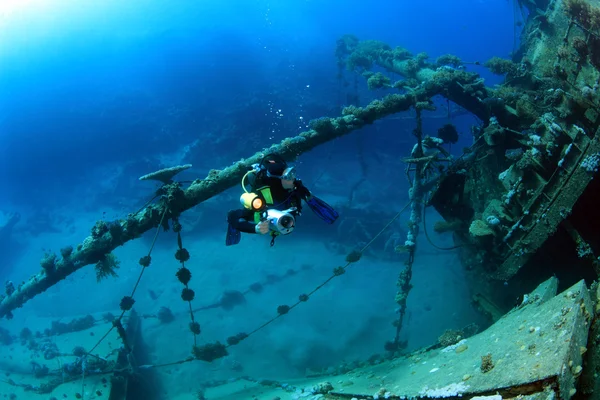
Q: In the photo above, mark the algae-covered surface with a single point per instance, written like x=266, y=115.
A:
x=533, y=346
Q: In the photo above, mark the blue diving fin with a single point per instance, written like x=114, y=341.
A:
x=233, y=236
x=323, y=210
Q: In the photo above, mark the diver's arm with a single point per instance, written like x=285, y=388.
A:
x=240, y=220
x=302, y=190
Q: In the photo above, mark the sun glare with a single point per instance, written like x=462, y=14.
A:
x=10, y=7
x=16, y=12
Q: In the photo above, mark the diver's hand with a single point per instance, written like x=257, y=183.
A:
x=262, y=227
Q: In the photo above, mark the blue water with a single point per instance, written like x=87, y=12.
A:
x=95, y=94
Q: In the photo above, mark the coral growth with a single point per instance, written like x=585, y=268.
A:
x=256, y=287
x=233, y=340
x=448, y=133
x=449, y=59
x=107, y=266
x=581, y=47
x=187, y=294
x=66, y=252
x=346, y=45
x=400, y=53
x=450, y=337
x=209, y=352
x=354, y=256
x=182, y=255
x=501, y=66
x=145, y=261
x=99, y=229
x=411, y=67
x=322, y=125
x=479, y=228
x=116, y=230
x=365, y=53
x=184, y=275
x=584, y=13
x=9, y=287
x=378, y=81
x=487, y=364
x=195, y=328
x=126, y=304
x=78, y=351
x=48, y=263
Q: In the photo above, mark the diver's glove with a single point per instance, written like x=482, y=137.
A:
x=302, y=191
x=262, y=227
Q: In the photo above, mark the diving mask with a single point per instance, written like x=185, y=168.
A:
x=289, y=174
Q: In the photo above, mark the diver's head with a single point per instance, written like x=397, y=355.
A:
x=287, y=177
x=277, y=168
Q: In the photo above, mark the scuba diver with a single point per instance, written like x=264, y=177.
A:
x=274, y=202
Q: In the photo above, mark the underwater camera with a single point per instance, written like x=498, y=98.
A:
x=282, y=222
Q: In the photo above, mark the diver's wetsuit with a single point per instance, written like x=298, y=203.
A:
x=243, y=219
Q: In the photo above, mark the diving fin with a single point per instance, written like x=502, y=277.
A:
x=323, y=210
x=233, y=236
